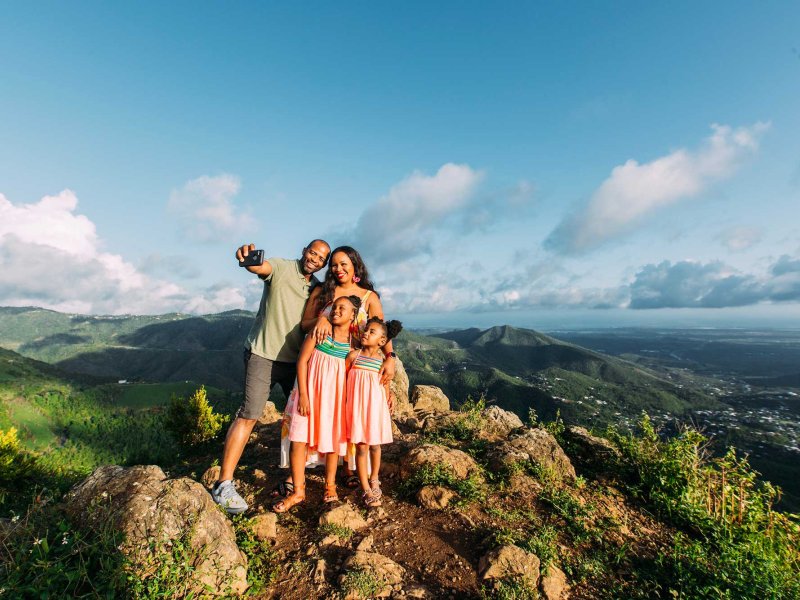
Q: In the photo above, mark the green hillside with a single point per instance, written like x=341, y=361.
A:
x=520, y=369
x=71, y=426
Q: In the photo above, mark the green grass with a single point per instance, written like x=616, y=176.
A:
x=148, y=395
x=35, y=429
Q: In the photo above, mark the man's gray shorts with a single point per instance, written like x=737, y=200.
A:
x=260, y=374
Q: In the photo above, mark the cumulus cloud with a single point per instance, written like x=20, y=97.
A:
x=206, y=211
x=689, y=284
x=405, y=222
x=52, y=257
x=737, y=239
x=636, y=190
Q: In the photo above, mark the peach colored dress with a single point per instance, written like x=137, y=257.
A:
x=368, y=418
x=324, y=429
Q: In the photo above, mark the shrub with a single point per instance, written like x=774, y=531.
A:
x=193, y=422
x=14, y=461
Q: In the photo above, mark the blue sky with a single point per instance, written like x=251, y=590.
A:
x=563, y=164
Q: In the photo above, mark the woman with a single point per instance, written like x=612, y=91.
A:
x=347, y=275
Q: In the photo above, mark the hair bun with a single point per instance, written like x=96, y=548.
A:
x=355, y=300
x=393, y=328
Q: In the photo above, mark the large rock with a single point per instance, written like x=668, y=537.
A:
x=270, y=414
x=343, y=515
x=384, y=570
x=429, y=397
x=153, y=511
x=589, y=450
x=554, y=584
x=461, y=463
x=538, y=446
x=399, y=388
x=499, y=423
x=510, y=562
x=435, y=497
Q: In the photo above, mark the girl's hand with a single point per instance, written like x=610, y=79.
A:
x=322, y=329
x=390, y=400
x=387, y=370
x=303, y=405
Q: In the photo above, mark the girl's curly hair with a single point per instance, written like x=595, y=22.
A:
x=390, y=328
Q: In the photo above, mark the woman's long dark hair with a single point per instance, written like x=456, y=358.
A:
x=359, y=270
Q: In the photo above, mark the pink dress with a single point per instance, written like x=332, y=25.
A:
x=324, y=429
x=368, y=417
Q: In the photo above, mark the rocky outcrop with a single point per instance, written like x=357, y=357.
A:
x=153, y=512
x=499, y=423
x=399, y=389
x=385, y=572
x=538, y=446
x=510, y=562
x=436, y=497
x=265, y=526
x=343, y=515
x=554, y=584
x=589, y=450
x=429, y=397
x=270, y=414
x=460, y=463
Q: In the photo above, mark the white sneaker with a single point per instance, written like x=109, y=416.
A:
x=224, y=493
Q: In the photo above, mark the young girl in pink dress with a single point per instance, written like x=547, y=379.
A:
x=318, y=421
x=369, y=405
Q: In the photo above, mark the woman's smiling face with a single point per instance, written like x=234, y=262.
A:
x=342, y=268
x=342, y=311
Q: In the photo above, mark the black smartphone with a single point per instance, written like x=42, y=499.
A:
x=254, y=259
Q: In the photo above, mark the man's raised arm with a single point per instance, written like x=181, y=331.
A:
x=263, y=270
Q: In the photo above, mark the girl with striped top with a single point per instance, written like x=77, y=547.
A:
x=318, y=421
x=369, y=405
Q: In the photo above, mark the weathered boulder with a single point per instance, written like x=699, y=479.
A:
x=536, y=445
x=265, y=526
x=589, y=450
x=343, y=515
x=398, y=387
x=436, y=497
x=499, y=423
x=270, y=415
x=510, y=562
x=554, y=584
x=211, y=476
x=429, y=397
x=384, y=570
x=461, y=463
x=431, y=421
x=152, y=511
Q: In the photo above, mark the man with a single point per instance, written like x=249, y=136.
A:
x=271, y=351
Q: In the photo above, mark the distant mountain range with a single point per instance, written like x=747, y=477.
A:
x=519, y=369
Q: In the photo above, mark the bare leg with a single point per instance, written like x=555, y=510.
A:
x=331, y=464
x=238, y=434
x=361, y=464
x=297, y=463
x=375, y=457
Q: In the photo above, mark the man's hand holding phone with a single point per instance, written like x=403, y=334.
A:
x=248, y=256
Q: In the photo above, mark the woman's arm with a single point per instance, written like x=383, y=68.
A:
x=303, y=404
x=375, y=309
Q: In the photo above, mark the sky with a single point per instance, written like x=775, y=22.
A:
x=541, y=164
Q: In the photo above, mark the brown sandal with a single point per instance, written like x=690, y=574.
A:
x=293, y=499
x=330, y=494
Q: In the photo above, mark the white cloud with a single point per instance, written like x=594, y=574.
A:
x=414, y=215
x=635, y=190
x=206, y=210
x=50, y=256
x=737, y=239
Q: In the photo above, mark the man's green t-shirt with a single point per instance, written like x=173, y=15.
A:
x=276, y=333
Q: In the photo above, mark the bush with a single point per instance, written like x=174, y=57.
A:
x=14, y=461
x=193, y=422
